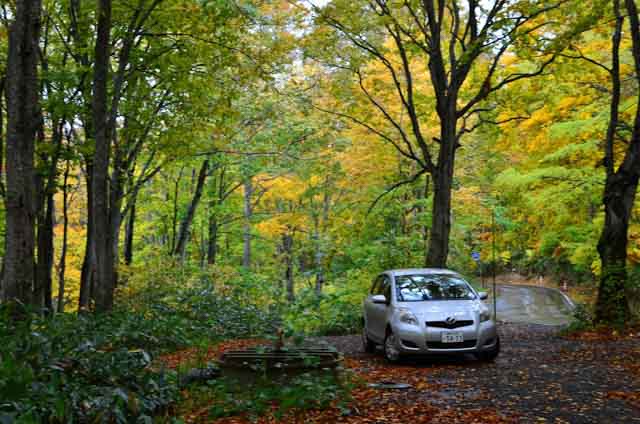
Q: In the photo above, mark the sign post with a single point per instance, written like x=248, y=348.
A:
x=493, y=266
x=476, y=257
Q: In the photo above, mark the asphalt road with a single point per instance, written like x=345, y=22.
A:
x=532, y=305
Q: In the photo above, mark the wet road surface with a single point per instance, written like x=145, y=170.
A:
x=532, y=305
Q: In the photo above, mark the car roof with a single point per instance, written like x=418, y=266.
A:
x=412, y=271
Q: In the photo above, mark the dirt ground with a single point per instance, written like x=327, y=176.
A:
x=539, y=377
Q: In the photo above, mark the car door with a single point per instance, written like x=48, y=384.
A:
x=378, y=311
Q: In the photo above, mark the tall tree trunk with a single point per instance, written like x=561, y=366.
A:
x=102, y=243
x=62, y=265
x=612, y=305
x=246, y=232
x=185, y=225
x=128, y=235
x=23, y=119
x=45, y=221
x=621, y=186
x=438, y=250
x=79, y=29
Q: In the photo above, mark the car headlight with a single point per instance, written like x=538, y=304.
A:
x=485, y=316
x=407, y=317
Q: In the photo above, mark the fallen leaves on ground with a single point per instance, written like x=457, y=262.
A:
x=605, y=334
x=540, y=376
x=633, y=398
x=212, y=353
x=418, y=404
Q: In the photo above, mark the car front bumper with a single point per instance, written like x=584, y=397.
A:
x=477, y=337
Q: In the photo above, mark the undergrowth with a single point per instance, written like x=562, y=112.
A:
x=96, y=368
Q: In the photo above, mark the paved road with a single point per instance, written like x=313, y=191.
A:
x=532, y=305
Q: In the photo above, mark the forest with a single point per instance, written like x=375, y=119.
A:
x=176, y=174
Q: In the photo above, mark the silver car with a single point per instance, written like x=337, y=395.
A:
x=427, y=311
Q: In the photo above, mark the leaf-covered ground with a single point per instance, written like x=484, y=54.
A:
x=539, y=377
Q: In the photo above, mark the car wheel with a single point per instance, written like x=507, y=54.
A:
x=391, y=351
x=490, y=355
x=367, y=344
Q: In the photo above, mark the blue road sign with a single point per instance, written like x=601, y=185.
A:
x=475, y=256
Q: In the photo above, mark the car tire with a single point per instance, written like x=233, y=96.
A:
x=490, y=355
x=391, y=352
x=368, y=345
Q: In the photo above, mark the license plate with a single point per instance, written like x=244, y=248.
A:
x=452, y=338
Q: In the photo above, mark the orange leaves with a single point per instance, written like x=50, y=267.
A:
x=174, y=360
x=418, y=404
x=633, y=398
x=605, y=334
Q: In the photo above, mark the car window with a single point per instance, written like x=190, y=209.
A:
x=386, y=288
x=374, y=286
x=424, y=287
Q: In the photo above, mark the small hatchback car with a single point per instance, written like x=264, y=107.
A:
x=427, y=311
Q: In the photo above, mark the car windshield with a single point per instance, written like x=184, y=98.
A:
x=422, y=287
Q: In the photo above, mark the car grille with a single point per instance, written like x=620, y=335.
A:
x=444, y=324
x=462, y=345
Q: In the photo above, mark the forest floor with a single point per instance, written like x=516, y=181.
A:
x=540, y=376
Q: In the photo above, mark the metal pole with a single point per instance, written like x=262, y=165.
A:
x=493, y=267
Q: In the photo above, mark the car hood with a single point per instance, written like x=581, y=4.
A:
x=441, y=309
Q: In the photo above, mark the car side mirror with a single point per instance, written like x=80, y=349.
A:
x=379, y=298
x=483, y=295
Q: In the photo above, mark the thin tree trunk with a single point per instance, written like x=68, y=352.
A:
x=115, y=214
x=45, y=222
x=23, y=119
x=88, y=264
x=425, y=226
x=79, y=28
x=62, y=265
x=128, y=236
x=174, y=220
x=44, y=264
x=318, y=256
x=287, y=251
x=203, y=246
x=2, y=185
x=102, y=243
x=320, y=232
x=246, y=233
x=2, y=144
x=212, y=248
x=185, y=225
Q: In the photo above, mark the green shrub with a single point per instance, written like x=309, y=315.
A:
x=338, y=311
x=583, y=319
x=300, y=393
x=83, y=368
x=96, y=368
